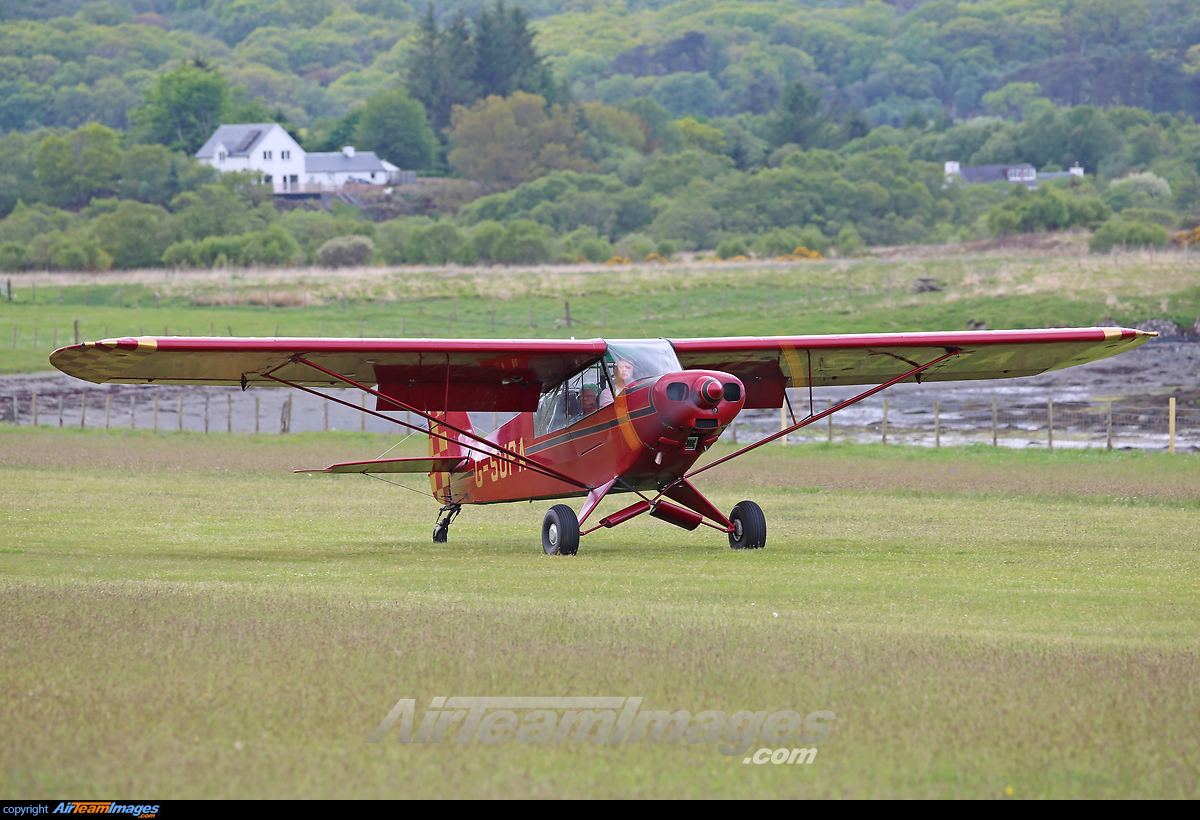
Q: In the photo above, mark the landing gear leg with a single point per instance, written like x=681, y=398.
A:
x=441, y=529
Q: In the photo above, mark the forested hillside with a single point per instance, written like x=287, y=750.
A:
x=587, y=128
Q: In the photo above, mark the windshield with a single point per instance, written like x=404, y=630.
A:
x=641, y=358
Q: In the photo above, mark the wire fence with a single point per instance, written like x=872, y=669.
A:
x=938, y=423
x=1065, y=425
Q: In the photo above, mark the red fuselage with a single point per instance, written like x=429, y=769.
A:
x=648, y=436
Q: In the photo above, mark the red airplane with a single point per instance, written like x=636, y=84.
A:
x=594, y=417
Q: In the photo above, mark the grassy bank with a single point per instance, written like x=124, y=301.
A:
x=185, y=617
x=685, y=299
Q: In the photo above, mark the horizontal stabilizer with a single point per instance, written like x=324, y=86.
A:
x=396, y=465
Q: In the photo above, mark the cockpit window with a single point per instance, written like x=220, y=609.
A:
x=625, y=365
x=631, y=362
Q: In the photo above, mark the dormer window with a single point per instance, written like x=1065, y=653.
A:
x=266, y=154
x=220, y=156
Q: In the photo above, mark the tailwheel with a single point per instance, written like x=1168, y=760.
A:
x=749, y=527
x=441, y=530
x=560, y=531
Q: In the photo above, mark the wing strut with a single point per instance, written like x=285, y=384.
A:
x=491, y=449
x=811, y=418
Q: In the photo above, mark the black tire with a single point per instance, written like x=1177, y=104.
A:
x=560, y=531
x=440, y=533
x=749, y=527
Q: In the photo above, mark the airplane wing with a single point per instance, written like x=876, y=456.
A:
x=430, y=374
x=767, y=365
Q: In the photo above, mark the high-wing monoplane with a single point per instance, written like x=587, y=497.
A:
x=593, y=418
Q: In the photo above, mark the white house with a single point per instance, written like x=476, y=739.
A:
x=262, y=147
x=268, y=148
x=336, y=168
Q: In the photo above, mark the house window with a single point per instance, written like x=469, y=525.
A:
x=266, y=154
x=267, y=179
x=220, y=156
x=285, y=154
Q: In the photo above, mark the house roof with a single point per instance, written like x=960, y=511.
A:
x=338, y=162
x=989, y=173
x=239, y=140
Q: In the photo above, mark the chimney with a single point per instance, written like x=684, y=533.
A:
x=348, y=151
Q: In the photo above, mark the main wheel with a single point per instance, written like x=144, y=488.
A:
x=560, y=531
x=749, y=527
x=440, y=533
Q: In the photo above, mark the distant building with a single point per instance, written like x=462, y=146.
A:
x=1021, y=172
x=288, y=168
x=264, y=147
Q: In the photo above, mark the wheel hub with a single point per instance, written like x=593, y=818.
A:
x=553, y=534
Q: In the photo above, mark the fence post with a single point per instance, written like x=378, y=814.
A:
x=257, y=403
x=1050, y=424
x=733, y=429
x=829, y=419
x=1171, y=424
x=885, y=421
x=206, y=400
x=228, y=412
x=937, y=425
x=35, y=410
x=107, y=409
x=285, y=416
x=993, y=421
x=1109, y=446
x=180, y=412
x=325, y=408
x=362, y=416
x=156, y=414
x=132, y=405
x=530, y=314
x=685, y=307
x=60, y=403
x=76, y=331
x=568, y=309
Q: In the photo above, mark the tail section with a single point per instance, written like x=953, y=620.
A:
x=442, y=448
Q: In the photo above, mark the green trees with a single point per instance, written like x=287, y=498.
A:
x=441, y=67
x=83, y=164
x=504, y=142
x=183, y=107
x=394, y=125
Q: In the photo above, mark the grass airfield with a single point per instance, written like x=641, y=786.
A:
x=184, y=617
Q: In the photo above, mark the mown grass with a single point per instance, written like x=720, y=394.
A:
x=1026, y=290
x=185, y=618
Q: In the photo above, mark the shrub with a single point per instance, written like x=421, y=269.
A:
x=849, y=242
x=1128, y=234
x=346, y=251
x=596, y=250
x=523, y=243
x=776, y=243
x=13, y=256
x=435, y=245
x=731, y=248
x=666, y=249
x=484, y=239
x=811, y=237
x=274, y=246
